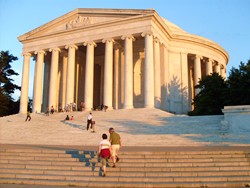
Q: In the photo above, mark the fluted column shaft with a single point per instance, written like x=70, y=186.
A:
x=108, y=74
x=223, y=72
x=157, y=73
x=70, y=83
x=197, y=72
x=116, y=73
x=209, y=67
x=38, y=82
x=128, y=72
x=64, y=80
x=149, y=71
x=53, y=77
x=89, y=76
x=184, y=83
x=217, y=68
x=25, y=83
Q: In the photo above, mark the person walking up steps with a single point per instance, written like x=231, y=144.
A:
x=89, y=120
x=104, y=152
x=28, y=116
x=116, y=143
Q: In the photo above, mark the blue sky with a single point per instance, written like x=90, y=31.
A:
x=226, y=22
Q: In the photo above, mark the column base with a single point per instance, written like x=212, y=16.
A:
x=128, y=107
x=149, y=106
x=22, y=112
x=87, y=109
x=107, y=109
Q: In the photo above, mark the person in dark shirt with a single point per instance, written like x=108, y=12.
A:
x=28, y=116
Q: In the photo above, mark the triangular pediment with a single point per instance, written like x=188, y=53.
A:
x=83, y=18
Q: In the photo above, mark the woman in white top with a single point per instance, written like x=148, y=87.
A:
x=104, y=152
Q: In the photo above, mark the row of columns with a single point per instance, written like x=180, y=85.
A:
x=89, y=74
x=152, y=69
x=209, y=69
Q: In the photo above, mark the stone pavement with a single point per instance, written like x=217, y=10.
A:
x=137, y=127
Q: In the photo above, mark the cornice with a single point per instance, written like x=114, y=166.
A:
x=193, y=39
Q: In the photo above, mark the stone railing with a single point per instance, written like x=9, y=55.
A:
x=238, y=117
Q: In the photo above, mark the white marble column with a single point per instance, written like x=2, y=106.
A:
x=116, y=73
x=149, y=71
x=186, y=102
x=217, y=68
x=108, y=74
x=165, y=101
x=209, y=67
x=128, y=72
x=54, y=77
x=89, y=76
x=46, y=75
x=197, y=72
x=38, y=82
x=157, y=73
x=64, y=80
x=223, y=72
x=25, y=84
x=77, y=81
x=70, y=89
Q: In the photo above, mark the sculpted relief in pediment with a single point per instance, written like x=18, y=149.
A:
x=80, y=21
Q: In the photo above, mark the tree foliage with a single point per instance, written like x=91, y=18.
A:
x=210, y=99
x=215, y=92
x=239, y=85
x=7, y=87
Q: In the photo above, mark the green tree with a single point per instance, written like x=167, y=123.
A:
x=7, y=87
x=239, y=85
x=212, y=96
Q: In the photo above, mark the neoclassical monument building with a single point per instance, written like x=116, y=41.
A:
x=122, y=58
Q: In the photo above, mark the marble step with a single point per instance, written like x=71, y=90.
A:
x=135, y=169
x=111, y=172
x=70, y=183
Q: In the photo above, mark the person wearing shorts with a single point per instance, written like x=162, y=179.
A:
x=104, y=151
x=116, y=143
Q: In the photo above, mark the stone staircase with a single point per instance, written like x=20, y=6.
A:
x=201, y=169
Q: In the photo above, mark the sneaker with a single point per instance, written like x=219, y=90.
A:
x=117, y=158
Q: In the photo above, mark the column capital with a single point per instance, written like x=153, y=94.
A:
x=117, y=45
x=55, y=49
x=157, y=40
x=196, y=56
x=211, y=60
x=107, y=40
x=216, y=63
x=26, y=54
x=40, y=52
x=128, y=36
x=150, y=33
x=71, y=46
x=89, y=43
